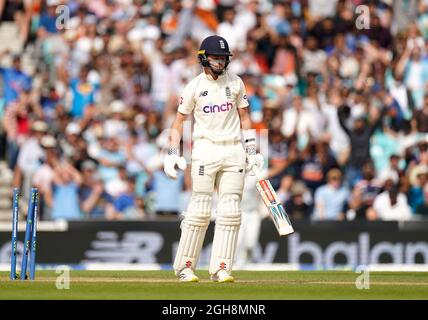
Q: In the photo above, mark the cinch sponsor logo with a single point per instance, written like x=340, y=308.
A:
x=218, y=108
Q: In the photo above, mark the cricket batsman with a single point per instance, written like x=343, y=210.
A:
x=217, y=99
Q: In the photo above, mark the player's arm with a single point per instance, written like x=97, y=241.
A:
x=177, y=130
x=244, y=115
x=172, y=158
x=185, y=108
x=249, y=137
x=254, y=159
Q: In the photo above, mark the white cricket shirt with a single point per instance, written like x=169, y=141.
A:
x=214, y=105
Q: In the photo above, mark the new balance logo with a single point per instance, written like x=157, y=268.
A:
x=203, y=94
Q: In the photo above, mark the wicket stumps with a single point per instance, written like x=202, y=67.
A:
x=30, y=235
x=34, y=237
x=14, y=233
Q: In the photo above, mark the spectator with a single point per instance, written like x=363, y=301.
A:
x=363, y=195
x=359, y=138
x=394, y=113
x=418, y=164
x=414, y=70
x=334, y=134
x=48, y=17
x=291, y=166
x=246, y=15
x=16, y=11
x=264, y=35
x=324, y=30
x=110, y=158
x=423, y=19
x=16, y=122
x=314, y=59
x=322, y=9
x=392, y=171
x=69, y=142
x=15, y=81
x=278, y=152
x=30, y=155
x=83, y=93
x=138, y=95
x=63, y=196
x=277, y=19
x=296, y=207
x=168, y=200
x=422, y=209
x=421, y=117
x=95, y=202
x=285, y=60
x=299, y=121
x=392, y=205
x=81, y=154
x=232, y=32
x=330, y=198
x=284, y=190
x=416, y=194
x=43, y=177
x=356, y=209
x=126, y=202
x=316, y=162
x=399, y=91
x=162, y=88
x=405, y=12
x=49, y=99
x=122, y=191
x=115, y=126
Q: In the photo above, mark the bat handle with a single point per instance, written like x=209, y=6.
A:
x=257, y=173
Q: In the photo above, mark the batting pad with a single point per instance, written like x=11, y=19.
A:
x=193, y=229
x=226, y=232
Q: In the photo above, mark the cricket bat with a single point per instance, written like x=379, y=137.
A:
x=272, y=202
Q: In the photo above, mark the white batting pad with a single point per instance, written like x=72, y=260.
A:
x=193, y=229
x=228, y=221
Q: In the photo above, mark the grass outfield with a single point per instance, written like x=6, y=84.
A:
x=248, y=285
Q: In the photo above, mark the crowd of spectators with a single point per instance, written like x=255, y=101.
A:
x=343, y=93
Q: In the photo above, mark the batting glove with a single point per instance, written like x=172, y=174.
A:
x=171, y=160
x=253, y=158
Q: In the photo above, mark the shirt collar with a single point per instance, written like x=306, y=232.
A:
x=209, y=77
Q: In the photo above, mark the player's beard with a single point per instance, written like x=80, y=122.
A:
x=217, y=65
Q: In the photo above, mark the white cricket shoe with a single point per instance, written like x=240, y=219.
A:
x=187, y=275
x=222, y=276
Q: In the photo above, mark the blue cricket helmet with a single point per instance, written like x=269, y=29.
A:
x=213, y=45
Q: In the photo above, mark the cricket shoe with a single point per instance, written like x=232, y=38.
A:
x=222, y=276
x=187, y=275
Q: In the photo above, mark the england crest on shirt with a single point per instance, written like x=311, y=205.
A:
x=228, y=94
